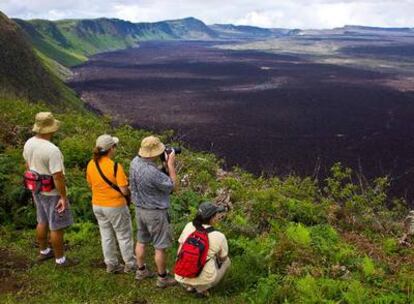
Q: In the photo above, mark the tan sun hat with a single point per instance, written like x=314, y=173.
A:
x=45, y=123
x=151, y=146
x=106, y=142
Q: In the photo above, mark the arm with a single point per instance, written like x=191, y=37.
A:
x=59, y=180
x=125, y=190
x=56, y=168
x=171, y=169
x=132, y=184
x=222, y=255
x=122, y=181
x=88, y=178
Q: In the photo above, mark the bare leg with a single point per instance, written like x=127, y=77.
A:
x=56, y=237
x=41, y=235
x=160, y=257
x=140, y=254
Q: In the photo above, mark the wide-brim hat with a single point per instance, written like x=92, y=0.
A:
x=106, y=142
x=151, y=146
x=45, y=123
x=206, y=210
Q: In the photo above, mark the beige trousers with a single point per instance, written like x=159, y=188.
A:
x=201, y=287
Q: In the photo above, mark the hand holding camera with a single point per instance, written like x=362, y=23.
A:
x=170, y=159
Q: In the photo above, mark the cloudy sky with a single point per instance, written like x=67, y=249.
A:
x=265, y=13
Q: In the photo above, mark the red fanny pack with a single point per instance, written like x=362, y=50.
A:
x=36, y=182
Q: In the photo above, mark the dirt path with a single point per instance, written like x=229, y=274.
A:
x=11, y=265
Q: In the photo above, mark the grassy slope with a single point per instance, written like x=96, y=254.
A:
x=87, y=283
x=290, y=241
x=70, y=42
x=26, y=75
x=55, y=46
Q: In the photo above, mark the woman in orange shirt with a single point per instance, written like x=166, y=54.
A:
x=109, y=186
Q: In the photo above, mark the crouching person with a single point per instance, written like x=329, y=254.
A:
x=200, y=242
x=45, y=176
x=109, y=186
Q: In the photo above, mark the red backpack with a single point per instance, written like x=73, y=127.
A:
x=193, y=254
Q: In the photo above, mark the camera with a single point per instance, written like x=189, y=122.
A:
x=168, y=150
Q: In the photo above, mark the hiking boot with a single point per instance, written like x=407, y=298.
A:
x=115, y=269
x=143, y=274
x=130, y=269
x=166, y=282
x=44, y=257
x=68, y=263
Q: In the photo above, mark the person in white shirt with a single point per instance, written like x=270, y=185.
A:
x=52, y=206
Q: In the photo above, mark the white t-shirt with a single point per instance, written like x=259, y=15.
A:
x=217, y=247
x=43, y=157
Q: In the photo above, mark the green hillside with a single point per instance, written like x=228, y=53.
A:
x=70, y=42
x=21, y=72
x=48, y=39
x=292, y=240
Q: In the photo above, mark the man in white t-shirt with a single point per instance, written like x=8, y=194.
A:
x=52, y=207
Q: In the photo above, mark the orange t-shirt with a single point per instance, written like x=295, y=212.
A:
x=103, y=194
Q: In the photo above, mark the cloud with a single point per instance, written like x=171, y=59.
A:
x=265, y=13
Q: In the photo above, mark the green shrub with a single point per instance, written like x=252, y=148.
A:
x=368, y=267
x=298, y=234
x=390, y=245
x=267, y=290
x=324, y=239
x=308, y=291
x=390, y=298
x=355, y=293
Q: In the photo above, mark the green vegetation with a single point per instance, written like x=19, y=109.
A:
x=292, y=240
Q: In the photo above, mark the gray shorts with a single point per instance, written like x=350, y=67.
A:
x=46, y=212
x=154, y=227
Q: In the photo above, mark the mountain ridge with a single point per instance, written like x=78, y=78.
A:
x=71, y=41
x=23, y=74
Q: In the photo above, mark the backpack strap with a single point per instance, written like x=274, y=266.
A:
x=210, y=229
x=106, y=180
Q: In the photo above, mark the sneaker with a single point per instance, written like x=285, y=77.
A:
x=166, y=282
x=115, y=269
x=143, y=274
x=130, y=269
x=68, y=263
x=190, y=289
x=202, y=294
x=44, y=257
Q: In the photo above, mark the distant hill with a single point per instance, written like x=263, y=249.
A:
x=372, y=28
x=230, y=31
x=241, y=31
x=356, y=30
x=70, y=42
x=23, y=74
x=190, y=29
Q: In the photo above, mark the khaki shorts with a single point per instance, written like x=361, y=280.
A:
x=46, y=212
x=154, y=227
